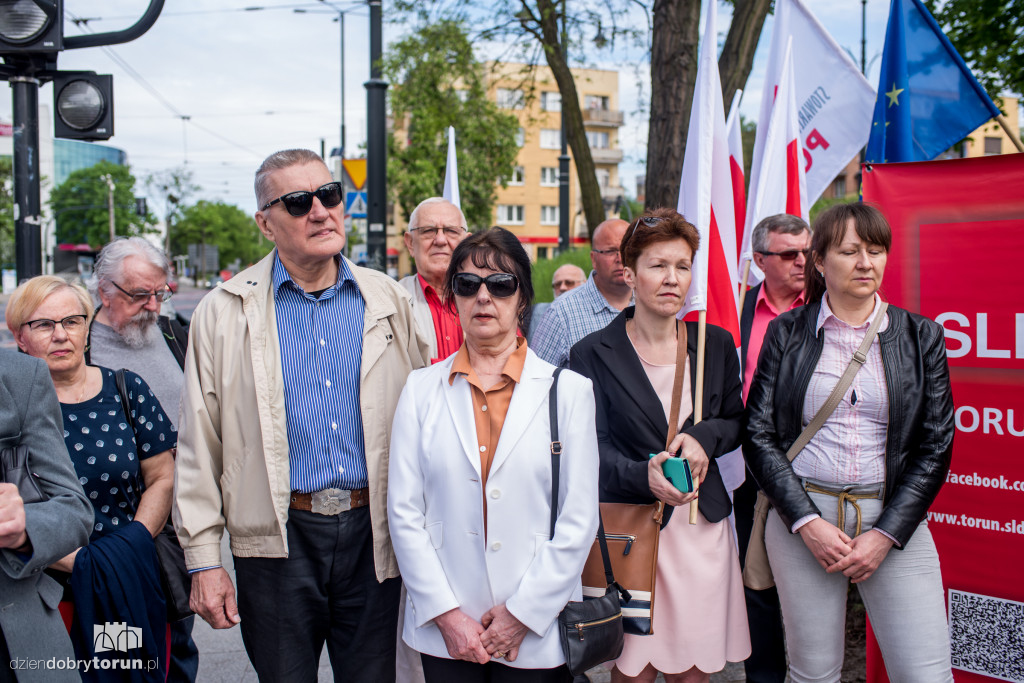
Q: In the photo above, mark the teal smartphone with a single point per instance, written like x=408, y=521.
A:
x=677, y=471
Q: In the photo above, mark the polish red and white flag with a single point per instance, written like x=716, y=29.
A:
x=706, y=194
x=734, y=129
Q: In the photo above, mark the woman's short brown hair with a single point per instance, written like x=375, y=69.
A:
x=657, y=225
x=31, y=294
x=829, y=230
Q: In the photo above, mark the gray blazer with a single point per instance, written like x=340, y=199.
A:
x=30, y=414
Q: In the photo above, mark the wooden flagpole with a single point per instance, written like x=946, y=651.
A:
x=743, y=284
x=1009, y=133
x=698, y=398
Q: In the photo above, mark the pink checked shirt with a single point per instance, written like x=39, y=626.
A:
x=850, y=447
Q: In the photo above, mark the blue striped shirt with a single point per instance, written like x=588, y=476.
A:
x=321, y=343
x=569, y=318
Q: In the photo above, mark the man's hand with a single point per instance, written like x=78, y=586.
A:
x=462, y=636
x=213, y=598
x=869, y=549
x=504, y=633
x=12, y=518
x=826, y=542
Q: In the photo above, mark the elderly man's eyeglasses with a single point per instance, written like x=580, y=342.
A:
x=501, y=285
x=428, y=233
x=787, y=255
x=142, y=297
x=71, y=324
x=301, y=203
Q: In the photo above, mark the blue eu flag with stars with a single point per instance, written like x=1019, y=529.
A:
x=928, y=100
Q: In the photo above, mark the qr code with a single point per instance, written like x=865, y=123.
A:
x=987, y=635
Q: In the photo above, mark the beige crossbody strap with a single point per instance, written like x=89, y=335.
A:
x=859, y=356
x=677, y=384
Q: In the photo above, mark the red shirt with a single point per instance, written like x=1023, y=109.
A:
x=764, y=313
x=447, y=329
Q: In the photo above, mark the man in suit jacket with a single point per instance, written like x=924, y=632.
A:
x=780, y=245
x=34, y=535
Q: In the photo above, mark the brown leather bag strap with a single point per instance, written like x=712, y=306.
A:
x=677, y=384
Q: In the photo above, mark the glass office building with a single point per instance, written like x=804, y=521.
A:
x=72, y=155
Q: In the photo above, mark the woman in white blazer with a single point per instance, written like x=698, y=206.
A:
x=469, y=488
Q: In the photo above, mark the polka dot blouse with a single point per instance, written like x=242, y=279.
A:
x=106, y=450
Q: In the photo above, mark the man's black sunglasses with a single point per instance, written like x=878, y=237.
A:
x=501, y=285
x=300, y=203
x=787, y=255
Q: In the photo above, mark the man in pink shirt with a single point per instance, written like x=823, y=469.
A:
x=781, y=248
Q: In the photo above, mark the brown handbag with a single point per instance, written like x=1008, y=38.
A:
x=757, y=572
x=632, y=532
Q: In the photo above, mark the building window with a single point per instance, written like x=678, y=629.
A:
x=510, y=99
x=462, y=94
x=542, y=253
x=551, y=101
x=599, y=102
x=993, y=146
x=597, y=140
x=839, y=186
x=603, y=177
x=549, y=176
x=549, y=215
x=551, y=138
x=517, y=176
x=521, y=137
x=510, y=214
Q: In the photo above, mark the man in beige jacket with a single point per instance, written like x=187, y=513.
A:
x=293, y=371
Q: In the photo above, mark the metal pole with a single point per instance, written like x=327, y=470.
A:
x=863, y=36
x=376, y=149
x=27, y=221
x=563, y=162
x=341, y=20
x=110, y=205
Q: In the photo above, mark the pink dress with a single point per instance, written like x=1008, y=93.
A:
x=700, y=617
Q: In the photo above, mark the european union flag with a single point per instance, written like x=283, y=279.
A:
x=928, y=100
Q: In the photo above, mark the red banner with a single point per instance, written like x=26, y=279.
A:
x=958, y=258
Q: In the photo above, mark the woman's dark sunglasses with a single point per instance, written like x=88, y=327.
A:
x=501, y=285
x=300, y=203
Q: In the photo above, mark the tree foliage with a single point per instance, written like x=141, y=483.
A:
x=80, y=207
x=230, y=229
x=174, y=187
x=989, y=35
x=7, y=254
x=439, y=83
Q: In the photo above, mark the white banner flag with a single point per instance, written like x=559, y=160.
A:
x=451, y=172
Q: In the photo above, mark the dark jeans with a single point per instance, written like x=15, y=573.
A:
x=440, y=670
x=767, y=661
x=184, y=664
x=325, y=590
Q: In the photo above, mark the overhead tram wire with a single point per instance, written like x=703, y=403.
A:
x=167, y=104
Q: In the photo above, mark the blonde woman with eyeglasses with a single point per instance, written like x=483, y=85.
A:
x=124, y=463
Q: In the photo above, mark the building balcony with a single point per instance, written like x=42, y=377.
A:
x=606, y=156
x=602, y=117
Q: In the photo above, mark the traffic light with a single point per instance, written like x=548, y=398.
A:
x=33, y=26
x=83, y=106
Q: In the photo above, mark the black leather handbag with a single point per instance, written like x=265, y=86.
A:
x=174, y=577
x=14, y=470
x=590, y=631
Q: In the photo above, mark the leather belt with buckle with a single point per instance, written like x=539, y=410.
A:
x=330, y=501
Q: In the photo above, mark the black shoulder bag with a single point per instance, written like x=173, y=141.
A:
x=14, y=470
x=174, y=577
x=590, y=631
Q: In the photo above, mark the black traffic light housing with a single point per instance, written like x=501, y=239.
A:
x=31, y=26
x=83, y=106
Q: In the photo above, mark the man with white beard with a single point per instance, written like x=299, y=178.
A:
x=128, y=331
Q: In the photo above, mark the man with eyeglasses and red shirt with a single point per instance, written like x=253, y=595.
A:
x=293, y=372
x=780, y=245
x=436, y=226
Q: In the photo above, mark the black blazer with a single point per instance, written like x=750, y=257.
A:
x=747, y=321
x=631, y=421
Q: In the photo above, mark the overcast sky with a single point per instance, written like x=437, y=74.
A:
x=253, y=81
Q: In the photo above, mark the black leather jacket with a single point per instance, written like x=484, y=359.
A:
x=919, y=444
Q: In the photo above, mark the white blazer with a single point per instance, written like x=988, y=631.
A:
x=436, y=516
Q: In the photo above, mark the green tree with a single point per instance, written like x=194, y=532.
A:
x=989, y=35
x=80, y=206
x=6, y=211
x=174, y=186
x=439, y=83
x=225, y=226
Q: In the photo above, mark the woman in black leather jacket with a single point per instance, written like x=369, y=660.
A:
x=852, y=504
